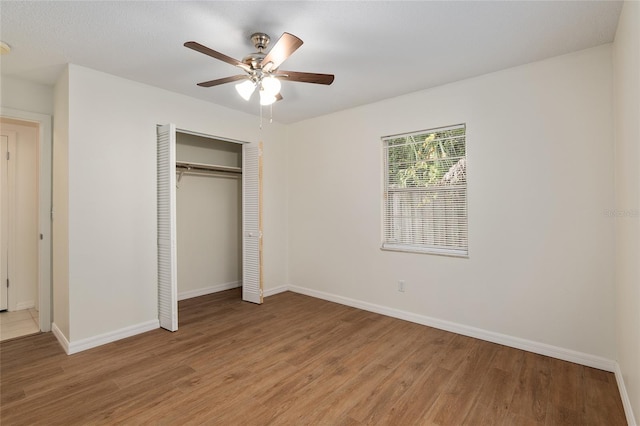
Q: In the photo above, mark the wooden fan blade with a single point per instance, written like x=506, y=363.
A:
x=222, y=81
x=306, y=77
x=217, y=55
x=284, y=47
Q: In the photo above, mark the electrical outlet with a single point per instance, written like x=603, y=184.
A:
x=401, y=286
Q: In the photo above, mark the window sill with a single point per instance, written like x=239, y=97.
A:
x=425, y=250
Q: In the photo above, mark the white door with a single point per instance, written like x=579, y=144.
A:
x=252, y=223
x=4, y=223
x=167, y=254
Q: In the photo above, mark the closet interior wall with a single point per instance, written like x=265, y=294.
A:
x=208, y=217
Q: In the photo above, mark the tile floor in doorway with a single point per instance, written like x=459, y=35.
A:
x=18, y=323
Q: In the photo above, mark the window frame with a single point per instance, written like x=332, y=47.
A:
x=421, y=248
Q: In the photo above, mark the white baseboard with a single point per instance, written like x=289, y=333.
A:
x=208, y=290
x=25, y=305
x=61, y=337
x=274, y=291
x=490, y=336
x=626, y=402
x=102, y=339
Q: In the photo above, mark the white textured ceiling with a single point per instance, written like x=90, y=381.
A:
x=376, y=50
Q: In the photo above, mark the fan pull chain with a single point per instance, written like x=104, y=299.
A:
x=271, y=114
x=260, y=116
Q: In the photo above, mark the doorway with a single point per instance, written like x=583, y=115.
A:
x=19, y=228
x=25, y=216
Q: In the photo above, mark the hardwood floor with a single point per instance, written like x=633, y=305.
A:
x=297, y=360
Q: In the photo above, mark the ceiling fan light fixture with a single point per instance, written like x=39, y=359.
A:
x=246, y=89
x=266, y=98
x=271, y=85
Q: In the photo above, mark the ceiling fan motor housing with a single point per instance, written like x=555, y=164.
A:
x=254, y=60
x=260, y=41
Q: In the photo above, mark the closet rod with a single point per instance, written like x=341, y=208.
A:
x=207, y=167
x=210, y=173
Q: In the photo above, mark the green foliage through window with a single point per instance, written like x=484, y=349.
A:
x=426, y=159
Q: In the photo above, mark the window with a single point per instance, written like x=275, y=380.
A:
x=425, y=192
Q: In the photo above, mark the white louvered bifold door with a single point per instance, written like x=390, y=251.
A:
x=167, y=256
x=252, y=223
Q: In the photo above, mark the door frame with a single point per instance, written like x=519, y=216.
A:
x=45, y=144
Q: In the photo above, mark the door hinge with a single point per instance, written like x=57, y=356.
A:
x=7, y=282
x=41, y=236
x=8, y=155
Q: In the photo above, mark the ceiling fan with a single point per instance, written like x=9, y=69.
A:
x=262, y=69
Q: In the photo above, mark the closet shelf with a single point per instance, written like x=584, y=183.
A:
x=210, y=167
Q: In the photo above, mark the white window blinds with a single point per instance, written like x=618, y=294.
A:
x=425, y=191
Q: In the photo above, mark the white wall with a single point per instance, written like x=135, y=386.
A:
x=26, y=96
x=23, y=292
x=626, y=54
x=112, y=194
x=209, y=230
x=539, y=144
x=209, y=225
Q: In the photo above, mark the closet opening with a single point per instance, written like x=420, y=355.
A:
x=209, y=218
x=208, y=215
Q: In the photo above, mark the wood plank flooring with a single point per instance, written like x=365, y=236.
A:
x=297, y=360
